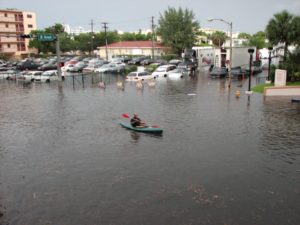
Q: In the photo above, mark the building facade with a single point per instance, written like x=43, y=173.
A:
x=74, y=30
x=133, y=48
x=14, y=23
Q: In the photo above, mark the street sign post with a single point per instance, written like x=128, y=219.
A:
x=46, y=37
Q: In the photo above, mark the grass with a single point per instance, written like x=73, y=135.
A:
x=260, y=88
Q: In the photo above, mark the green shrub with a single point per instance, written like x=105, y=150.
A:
x=272, y=73
x=4, y=57
x=151, y=68
x=130, y=68
x=168, y=57
x=296, y=76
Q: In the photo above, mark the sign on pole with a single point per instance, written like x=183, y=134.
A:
x=46, y=37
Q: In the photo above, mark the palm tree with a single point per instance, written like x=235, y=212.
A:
x=218, y=38
x=280, y=29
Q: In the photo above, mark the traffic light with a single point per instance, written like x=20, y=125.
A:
x=26, y=35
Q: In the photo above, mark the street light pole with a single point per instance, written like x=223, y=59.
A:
x=105, y=32
x=230, y=59
x=250, y=51
x=58, y=63
x=269, y=68
x=230, y=55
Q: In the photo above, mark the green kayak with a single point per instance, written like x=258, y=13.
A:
x=148, y=129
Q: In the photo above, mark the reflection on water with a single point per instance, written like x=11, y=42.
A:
x=64, y=159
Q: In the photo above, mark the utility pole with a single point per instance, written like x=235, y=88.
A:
x=105, y=28
x=92, y=38
x=152, y=27
x=58, y=57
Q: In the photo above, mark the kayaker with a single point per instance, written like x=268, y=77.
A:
x=136, y=121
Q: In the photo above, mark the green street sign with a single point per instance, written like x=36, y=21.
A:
x=46, y=37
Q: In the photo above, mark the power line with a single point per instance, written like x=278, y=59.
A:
x=131, y=21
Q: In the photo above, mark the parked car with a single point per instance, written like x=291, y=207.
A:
x=162, y=71
x=188, y=65
x=13, y=75
x=93, y=64
x=146, y=62
x=159, y=62
x=111, y=68
x=239, y=72
x=78, y=67
x=3, y=63
x=175, y=61
x=68, y=65
x=67, y=68
x=5, y=75
x=48, y=66
x=31, y=75
x=27, y=65
x=136, y=76
x=177, y=73
x=218, y=72
x=136, y=61
x=255, y=69
x=48, y=76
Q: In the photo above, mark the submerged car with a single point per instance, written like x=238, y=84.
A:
x=31, y=75
x=239, y=72
x=136, y=76
x=177, y=73
x=188, y=65
x=162, y=71
x=218, y=72
x=111, y=68
x=93, y=65
x=78, y=67
x=48, y=76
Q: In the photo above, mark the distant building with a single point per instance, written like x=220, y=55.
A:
x=13, y=23
x=74, y=30
x=236, y=42
x=133, y=48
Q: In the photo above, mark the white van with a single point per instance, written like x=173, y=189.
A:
x=162, y=71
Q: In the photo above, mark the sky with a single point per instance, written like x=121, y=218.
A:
x=248, y=16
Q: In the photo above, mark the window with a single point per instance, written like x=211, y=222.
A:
x=8, y=45
x=29, y=16
x=6, y=25
x=5, y=14
x=23, y=47
x=20, y=17
x=30, y=26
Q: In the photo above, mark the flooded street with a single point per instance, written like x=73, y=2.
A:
x=65, y=160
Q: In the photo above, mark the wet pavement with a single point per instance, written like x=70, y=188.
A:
x=64, y=159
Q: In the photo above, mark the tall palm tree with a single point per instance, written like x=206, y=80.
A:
x=218, y=38
x=280, y=29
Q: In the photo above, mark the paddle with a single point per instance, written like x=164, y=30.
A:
x=125, y=115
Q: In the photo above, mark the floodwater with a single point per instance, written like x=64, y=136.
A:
x=64, y=159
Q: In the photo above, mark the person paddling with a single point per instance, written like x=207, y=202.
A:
x=136, y=121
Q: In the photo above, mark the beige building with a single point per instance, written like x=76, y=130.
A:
x=134, y=48
x=14, y=23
